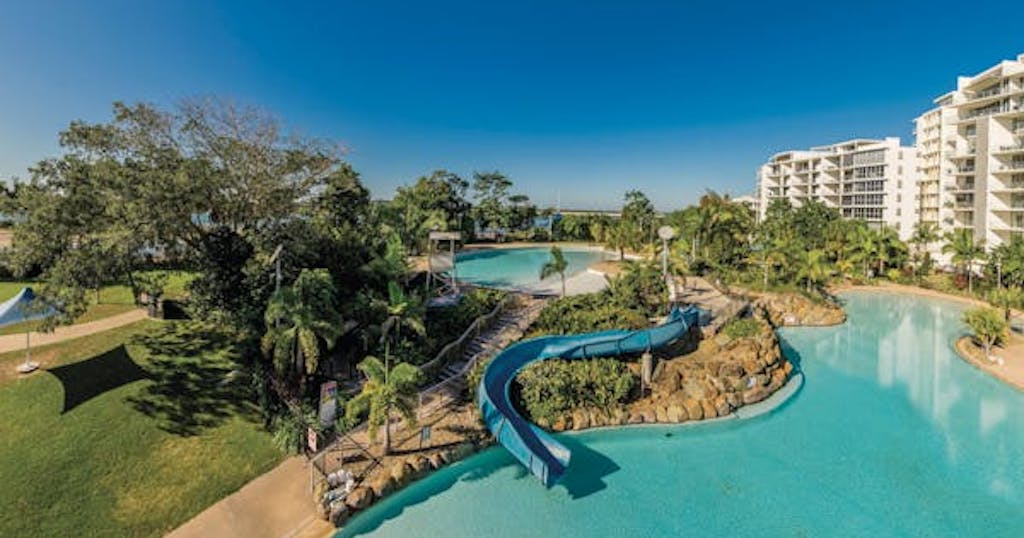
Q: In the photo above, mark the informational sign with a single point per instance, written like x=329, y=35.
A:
x=425, y=436
x=311, y=439
x=328, y=402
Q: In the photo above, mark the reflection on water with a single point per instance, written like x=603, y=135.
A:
x=905, y=345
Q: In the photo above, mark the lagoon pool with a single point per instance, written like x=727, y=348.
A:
x=891, y=435
x=518, y=267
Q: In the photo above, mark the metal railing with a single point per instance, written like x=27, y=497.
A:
x=450, y=389
x=457, y=346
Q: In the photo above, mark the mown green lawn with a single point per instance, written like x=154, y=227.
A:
x=130, y=432
x=111, y=301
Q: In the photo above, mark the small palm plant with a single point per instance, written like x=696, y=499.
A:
x=813, y=268
x=385, y=390
x=964, y=250
x=556, y=265
x=988, y=327
x=302, y=320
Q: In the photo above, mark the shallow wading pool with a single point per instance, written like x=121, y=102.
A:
x=891, y=435
x=519, y=268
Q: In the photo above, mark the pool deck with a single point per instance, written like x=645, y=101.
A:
x=1006, y=364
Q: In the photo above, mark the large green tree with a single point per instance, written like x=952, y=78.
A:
x=179, y=184
x=434, y=202
x=491, y=190
x=638, y=211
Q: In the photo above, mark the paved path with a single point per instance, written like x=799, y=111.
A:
x=279, y=503
x=16, y=342
x=274, y=505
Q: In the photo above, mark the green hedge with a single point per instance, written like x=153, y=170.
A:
x=548, y=390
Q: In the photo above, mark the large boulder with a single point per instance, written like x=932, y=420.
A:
x=755, y=395
x=751, y=366
x=580, y=419
x=382, y=485
x=693, y=409
x=339, y=513
x=722, y=406
x=708, y=408
x=436, y=461
x=360, y=498
x=677, y=413
x=420, y=465
x=402, y=473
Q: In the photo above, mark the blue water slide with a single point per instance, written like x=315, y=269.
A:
x=535, y=448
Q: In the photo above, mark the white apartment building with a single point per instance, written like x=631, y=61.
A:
x=970, y=151
x=873, y=180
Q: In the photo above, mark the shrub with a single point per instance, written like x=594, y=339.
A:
x=742, y=328
x=547, y=390
x=586, y=313
x=446, y=324
x=987, y=325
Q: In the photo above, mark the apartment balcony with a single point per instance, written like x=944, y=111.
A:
x=1009, y=150
x=1011, y=187
x=985, y=94
x=966, y=154
x=960, y=187
x=1015, y=167
x=962, y=170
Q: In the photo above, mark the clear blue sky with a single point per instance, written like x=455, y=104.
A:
x=584, y=99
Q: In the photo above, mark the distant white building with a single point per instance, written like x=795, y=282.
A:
x=970, y=150
x=873, y=180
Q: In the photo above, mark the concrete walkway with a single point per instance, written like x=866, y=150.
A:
x=275, y=505
x=16, y=342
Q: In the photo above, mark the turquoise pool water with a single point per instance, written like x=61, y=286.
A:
x=517, y=267
x=891, y=435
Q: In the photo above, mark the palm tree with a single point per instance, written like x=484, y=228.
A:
x=385, y=389
x=556, y=265
x=925, y=233
x=619, y=237
x=1010, y=256
x=864, y=246
x=965, y=250
x=302, y=320
x=813, y=268
x=404, y=310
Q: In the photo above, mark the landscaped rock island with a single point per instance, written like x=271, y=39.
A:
x=724, y=373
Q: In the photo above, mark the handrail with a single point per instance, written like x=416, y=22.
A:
x=474, y=329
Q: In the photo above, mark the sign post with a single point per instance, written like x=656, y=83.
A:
x=425, y=436
x=311, y=439
x=328, y=403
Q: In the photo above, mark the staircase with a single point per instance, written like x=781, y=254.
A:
x=451, y=383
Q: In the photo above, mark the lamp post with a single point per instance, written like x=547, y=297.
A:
x=666, y=233
x=999, y=274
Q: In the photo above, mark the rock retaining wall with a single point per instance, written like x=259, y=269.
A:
x=793, y=309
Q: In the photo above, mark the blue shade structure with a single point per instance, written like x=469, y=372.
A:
x=15, y=309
